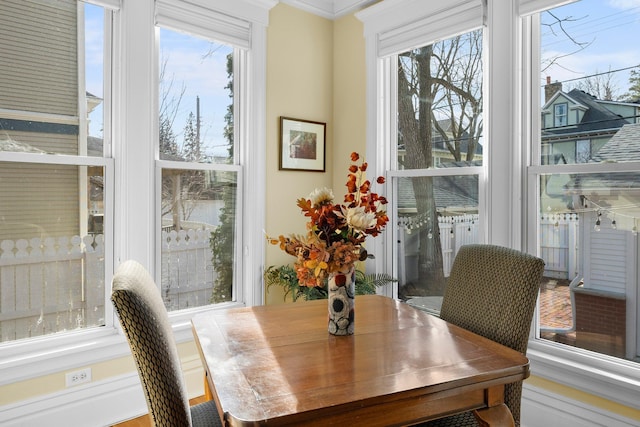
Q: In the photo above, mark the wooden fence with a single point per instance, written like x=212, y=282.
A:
x=558, y=243
x=187, y=271
x=57, y=284
x=559, y=236
x=50, y=285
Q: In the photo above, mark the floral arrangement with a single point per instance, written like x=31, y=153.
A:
x=336, y=232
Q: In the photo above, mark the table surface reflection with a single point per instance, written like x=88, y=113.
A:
x=278, y=365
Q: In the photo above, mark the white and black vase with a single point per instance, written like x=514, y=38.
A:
x=341, y=290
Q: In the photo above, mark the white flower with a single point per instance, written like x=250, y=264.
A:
x=321, y=196
x=360, y=220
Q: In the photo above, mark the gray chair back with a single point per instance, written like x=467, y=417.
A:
x=492, y=291
x=145, y=322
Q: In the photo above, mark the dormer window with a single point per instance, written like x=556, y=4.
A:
x=560, y=114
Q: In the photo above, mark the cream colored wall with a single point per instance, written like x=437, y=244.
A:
x=299, y=85
x=349, y=97
x=325, y=83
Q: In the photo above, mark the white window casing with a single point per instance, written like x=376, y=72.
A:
x=511, y=98
x=131, y=173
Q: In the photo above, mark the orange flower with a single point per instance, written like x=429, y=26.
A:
x=335, y=232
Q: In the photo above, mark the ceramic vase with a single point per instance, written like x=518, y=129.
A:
x=341, y=290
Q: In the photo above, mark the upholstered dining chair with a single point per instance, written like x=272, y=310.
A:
x=145, y=322
x=492, y=291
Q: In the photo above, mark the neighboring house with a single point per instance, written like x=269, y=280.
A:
x=40, y=111
x=576, y=125
x=454, y=195
x=441, y=153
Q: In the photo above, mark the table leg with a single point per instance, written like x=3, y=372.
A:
x=498, y=415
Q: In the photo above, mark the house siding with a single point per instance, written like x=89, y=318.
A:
x=38, y=56
x=38, y=200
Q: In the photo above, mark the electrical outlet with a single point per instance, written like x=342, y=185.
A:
x=78, y=377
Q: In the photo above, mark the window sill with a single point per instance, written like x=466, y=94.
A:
x=46, y=355
x=604, y=376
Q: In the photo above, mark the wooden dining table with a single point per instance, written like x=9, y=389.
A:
x=278, y=365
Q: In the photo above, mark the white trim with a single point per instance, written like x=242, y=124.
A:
x=502, y=161
x=95, y=404
x=59, y=352
x=203, y=22
x=330, y=9
x=542, y=408
x=528, y=7
x=322, y=8
x=253, y=133
x=107, y=4
x=402, y=25
x=39, y=117
x=611, y=378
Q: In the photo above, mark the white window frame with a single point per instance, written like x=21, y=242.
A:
x=131, y=175
x=510, y=79
x=611, y=378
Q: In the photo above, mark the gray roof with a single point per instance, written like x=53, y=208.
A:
x=453, y=192
x=624, y=146
x=596, y=118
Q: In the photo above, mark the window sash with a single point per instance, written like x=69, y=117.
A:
x=616, y=380
x=36, y=357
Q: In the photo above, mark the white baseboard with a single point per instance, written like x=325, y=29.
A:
x=541, y=408
x=104, y=403
x=97, y=404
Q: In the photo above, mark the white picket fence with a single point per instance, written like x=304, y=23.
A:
x=455, y=231
x=558, y=243
x=187, y=271
x=50, y=285
x=559, y=236
x=57, y=284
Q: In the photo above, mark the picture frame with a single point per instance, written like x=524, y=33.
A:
x=302, y=145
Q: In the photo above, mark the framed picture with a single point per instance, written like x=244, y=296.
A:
x=302, y=145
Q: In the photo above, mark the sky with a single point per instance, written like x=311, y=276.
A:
x=199, y=67
x=187, y=64
x=609, y=31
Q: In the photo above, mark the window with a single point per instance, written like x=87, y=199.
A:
x=54, y=173
x=84, y=183
x=560, y=115
x=583, y=151
x=549, y=197
x=199, y=200
x=438, y=157
x=588, y=215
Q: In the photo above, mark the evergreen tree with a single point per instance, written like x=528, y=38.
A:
x=168, y=144
x=228, y=117
x=222, y=246
x=191, y=146
x=633, y=95
x=223, y=237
